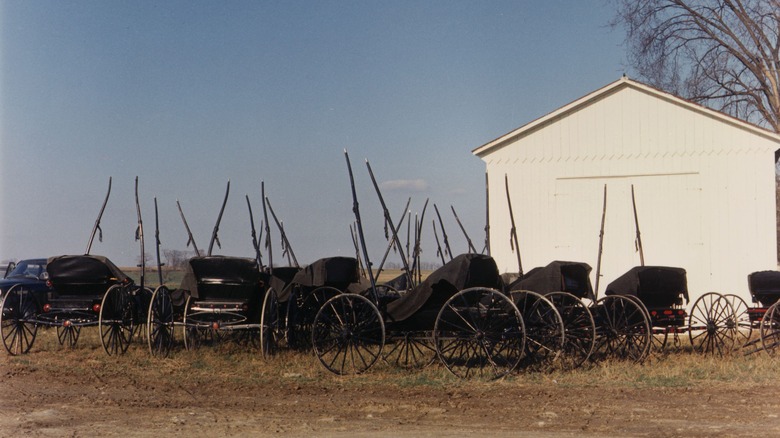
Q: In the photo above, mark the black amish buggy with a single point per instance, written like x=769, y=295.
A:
x=662, y=292
x=218, y=295
x=86, y=291
x=297, y=294
x=274, y=314
x=458, y=312
x=764, y=315
x=560, y=328
x=476, y=330
x=455, y=313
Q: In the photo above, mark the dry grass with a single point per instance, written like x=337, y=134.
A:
x=240, y=366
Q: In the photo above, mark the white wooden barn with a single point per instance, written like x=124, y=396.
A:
x=704, y=185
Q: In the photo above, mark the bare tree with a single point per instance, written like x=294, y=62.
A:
x=175, y=258
x=721, y=53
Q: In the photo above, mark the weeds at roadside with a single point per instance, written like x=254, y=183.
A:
x=245, y=367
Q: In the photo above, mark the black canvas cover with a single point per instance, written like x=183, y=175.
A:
x=339, y=272
x=83, y=274
x=331, y=271
x=222, y=277
x=462, y=272
x=655, y=286
x=558, y=276
x=764, y=287
x=399, y=283
x=281, y=279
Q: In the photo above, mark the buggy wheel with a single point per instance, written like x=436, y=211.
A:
x=656, y=345
x=271, y=329
x=348, y=334
x=117, y=314
x=385, y=294
x=544, y=331
x=741, y=321
x=770, y=329
x=479, y=332
x=194, y=334
x=160, y=323
x=410, y=350
x=579, y=329
x=142, y=298
x=710, y=325
x=659, y=338
x=623, y=330
x=302, y=307
x=18, y=326
x=68, y=334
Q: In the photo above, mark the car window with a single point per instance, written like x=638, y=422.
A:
x=28, y=269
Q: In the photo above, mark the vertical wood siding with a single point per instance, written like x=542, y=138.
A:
x=704, y=192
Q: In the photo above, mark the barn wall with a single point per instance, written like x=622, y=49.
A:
x=704, y=192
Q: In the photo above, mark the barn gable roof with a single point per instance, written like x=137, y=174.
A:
x=608, y=90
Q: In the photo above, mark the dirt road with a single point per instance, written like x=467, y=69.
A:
x=83, y=393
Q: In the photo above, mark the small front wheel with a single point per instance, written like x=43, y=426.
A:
x=68, y=334
x=18, y=327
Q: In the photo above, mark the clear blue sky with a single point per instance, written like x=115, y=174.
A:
x=187, y=95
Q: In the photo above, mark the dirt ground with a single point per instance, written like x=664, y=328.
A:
x=81, y=393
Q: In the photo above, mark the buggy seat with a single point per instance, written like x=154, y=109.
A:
x=282, y=278
x=764, y=287
x=341, y=273
x=420, y=306
x=558, y=276
x=656, y=286
x=223, y=278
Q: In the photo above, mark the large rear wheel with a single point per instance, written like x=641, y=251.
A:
x=579, y=328
x=770, y=329
x=623, y=330
x=271, y=326
x=117, y=313
x=544, y=330
x=160, y=323
x=479, y=332
x=741, y=321
x=348, y=334
x=710, y=325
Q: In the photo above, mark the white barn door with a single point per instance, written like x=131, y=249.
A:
x=669, y=215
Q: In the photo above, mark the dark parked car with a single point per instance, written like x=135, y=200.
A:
x=31, y=272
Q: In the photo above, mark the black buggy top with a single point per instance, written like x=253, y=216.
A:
x=655, y=286
x=558, y=276
x=764, y=287
x=341, y=273
x=462, y=272
x=222, y=277
x=84, y=274
x=282, y=277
